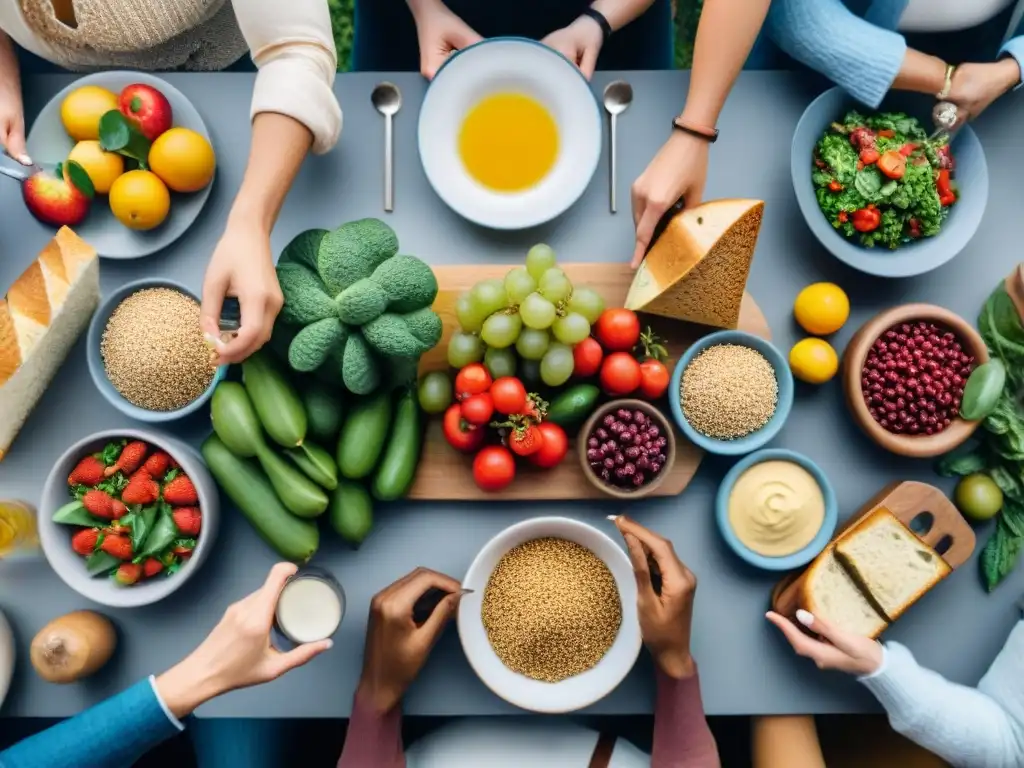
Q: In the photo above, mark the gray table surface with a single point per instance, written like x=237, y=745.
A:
x=745, y=668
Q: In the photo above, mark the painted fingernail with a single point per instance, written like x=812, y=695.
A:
x=328, y=645
x=613, y=518
x=465, y=591
x=24, y=159
x=214, y=341
x=804, y=617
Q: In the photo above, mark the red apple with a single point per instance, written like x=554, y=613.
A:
x=145, y=108
x=54, y=201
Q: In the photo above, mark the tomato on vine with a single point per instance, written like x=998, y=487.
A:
x=509, y=395
x=554, y=449
x=494, y=468
x=654, y=375
x=618, y=329
x=474, y=379
x=525, y=440
x=478, y=409
x=460, y=434
x=587, y=357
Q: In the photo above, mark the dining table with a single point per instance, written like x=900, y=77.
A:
x=745, y=665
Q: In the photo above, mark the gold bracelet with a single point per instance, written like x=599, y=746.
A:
x=948, y=84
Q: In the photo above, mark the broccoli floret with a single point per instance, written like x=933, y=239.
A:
x=305, y=297
x=409, y=283
x=360, y=369
x=402, y=371
x=391, y=337
x=361, y=302
x=425, y=324
x=353, y=251
x=312, y=345
x=303, y=248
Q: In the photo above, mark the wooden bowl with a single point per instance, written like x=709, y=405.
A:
x=652, y=412
x=914, y=446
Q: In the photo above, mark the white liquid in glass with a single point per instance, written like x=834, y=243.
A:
x=309, y=609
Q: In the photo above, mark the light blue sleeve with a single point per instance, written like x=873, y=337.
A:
x=1015, y=47
x=826, y=36
x=113, y=734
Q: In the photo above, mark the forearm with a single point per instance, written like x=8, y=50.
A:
x=10, y=81
x=785, y=742
x=921, y=73
x=682, y=738
x=725, y=35
x=373, y=739
x=420, y=7
x=621, y=12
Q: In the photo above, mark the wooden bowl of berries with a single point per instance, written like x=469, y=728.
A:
x=904, y=373
x=627, y=448
x=127, y=516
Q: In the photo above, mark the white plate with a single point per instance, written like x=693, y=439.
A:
x=49, y=144
x=500, y=65
x=574, y=692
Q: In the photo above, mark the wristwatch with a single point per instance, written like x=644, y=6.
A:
x=947, y=84
x=710, y=135
x=602, y=22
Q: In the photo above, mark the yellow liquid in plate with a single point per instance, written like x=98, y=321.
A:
x=17, y=528
x=508, y=142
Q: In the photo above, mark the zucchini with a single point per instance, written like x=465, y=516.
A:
x=242, y=481
x=398, y=467
x=234, y=419
x=574, y=405
x=275, y=400
x=363, y=436
x=300, y=495
x=317, y=463
x=323, y=412
x=351, y=512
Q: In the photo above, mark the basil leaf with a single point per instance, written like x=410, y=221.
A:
x=958, y=465
x=80, y=179
x=163, y=533
x=869, y=183
x=115, y=132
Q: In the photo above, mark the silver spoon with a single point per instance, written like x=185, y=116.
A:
x=387, y=100
x=617, y=97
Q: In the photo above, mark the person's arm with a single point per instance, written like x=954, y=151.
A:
x=621, y=12
x=682, y=738
x=1014, y=49
x=12, y=113
x=785, y=741
x=373, y=738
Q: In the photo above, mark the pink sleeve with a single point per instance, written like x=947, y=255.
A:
x=373, y=740
x=682, y=738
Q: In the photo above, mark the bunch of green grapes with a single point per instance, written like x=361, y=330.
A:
x=534, y=312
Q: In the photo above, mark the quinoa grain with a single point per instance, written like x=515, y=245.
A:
x=729, y=391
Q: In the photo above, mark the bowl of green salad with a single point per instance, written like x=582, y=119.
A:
x=879, y=190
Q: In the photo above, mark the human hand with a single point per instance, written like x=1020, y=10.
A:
x=440, y=33
x=237, y=653
x=976, y=86
x=666, y=616
x=843, y=650
x=242, y=266
x=12, y=123
x=677, y=172
x=396, y=648
x=580, y=43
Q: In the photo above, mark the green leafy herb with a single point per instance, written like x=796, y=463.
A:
x=184, y=544
x=960, y=464
x=163, y=533
x=119, y=135
x=869, y=183
x=173, y=473
x=80, y=179
x=111, y=452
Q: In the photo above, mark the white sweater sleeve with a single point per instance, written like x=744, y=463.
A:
x=979, y=727
x=293, y=47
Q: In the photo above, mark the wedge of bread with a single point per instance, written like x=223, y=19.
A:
x=830, y=593
x=892, y=566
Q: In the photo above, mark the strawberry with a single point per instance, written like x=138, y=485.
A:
x=118, y=508
x=151, y=567
x=131, y=458
x=128, y=574
x=157, y=464
x=141, y=489
x=117, y=528
x=89, y=471
x=189, y=520
x=117, y=546
x=99, y=504
x=180, y=492
x=84, y=542
x=182, y=550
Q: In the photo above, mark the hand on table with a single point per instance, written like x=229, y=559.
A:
x=396, y=648
x=580, y=43
x=976, y=86
x=237, y=653
x=242, y=266
x=666, y=617
x=440, y=33
x=840, y=650
x=677, y=172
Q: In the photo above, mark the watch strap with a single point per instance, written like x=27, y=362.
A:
x=602, y=21
x=710, y=135
x=947, y=83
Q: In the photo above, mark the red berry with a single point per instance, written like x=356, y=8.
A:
x=189, y=520
x=84, y=542
x=117, y=546
x=131, y=458
x=180, y=492
x=128, y=574
x=151, y=567
x=89, y=471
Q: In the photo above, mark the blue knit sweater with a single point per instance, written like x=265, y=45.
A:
x=860, y=53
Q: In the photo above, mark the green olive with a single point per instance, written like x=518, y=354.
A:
x=435, y=392
x=978, y=497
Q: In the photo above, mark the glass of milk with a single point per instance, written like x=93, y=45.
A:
x=311, y=606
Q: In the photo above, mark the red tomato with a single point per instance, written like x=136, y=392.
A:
x=460, y=434
x=587, y=356
x=525, y=440
x=886, y=133
x=620, y=374
x=472, y=380
x=556, y=445
x=618, y=329
x=892, y=164
x=866, y=219
x=908, y=149
x=478, y=409
x=508, y=394
x=654, y=378
x=494, y=468
x=869, y=156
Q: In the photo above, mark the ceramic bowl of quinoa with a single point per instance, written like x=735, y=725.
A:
x=146, y=352
x=551, y=625
x=731, y=392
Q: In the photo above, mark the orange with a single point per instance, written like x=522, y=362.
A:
x=81, y=110
x=139, y=200
x=183, y=158
x=103, y=167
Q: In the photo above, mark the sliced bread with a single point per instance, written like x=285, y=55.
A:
x=829, y=593
x=891, y=565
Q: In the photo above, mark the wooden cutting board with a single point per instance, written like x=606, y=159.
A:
x=907, y=500
x=446, y=474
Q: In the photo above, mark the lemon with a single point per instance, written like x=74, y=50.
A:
x=183, y=158
x=821, y=308
x=102, y=167
x=139, y=200
x=81, y=110
x=813, y=361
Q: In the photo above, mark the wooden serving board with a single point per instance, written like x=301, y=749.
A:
x=906, y=500
x=446, y=474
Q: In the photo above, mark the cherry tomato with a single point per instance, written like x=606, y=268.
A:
x=866, y=219
x=869, y=156
x=472, y=380
x=892, y=164
x=835, y=186
x=554, y=449
x=460, y=434
x=618, y=329
x=908, y=149
x=943, y=183
x=654, y=378
x=478, y=409
x=494, y=468
x=525, y=440
x=620, y=374
x=587, y=356
x=886, y=133
x=508, y=394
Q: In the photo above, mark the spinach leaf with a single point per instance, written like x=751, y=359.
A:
x=1000, y=555
x=100, y=562
x=868, y=182
x=163, y=533
x=958, y=465
x=1008, y=484
x=145, y=519
x=888, y=189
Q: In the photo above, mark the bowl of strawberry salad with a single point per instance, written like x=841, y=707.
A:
x=127, y=516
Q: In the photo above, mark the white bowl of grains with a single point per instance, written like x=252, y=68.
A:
x=551, y=625
x=146, y=351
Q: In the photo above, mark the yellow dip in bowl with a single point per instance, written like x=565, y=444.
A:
x=776, y=508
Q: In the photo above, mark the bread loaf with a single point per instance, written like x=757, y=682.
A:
x=828, y=592
x=43, y=314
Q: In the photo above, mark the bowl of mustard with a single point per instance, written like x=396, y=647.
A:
x=776, y=509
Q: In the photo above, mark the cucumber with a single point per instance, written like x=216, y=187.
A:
x=574, y=405
x=323, y=412
x=242, y=481
x=317, y=463
x=235, y=420
x=983, y=390
x=351, y=512
x=300, y=495
x=363, y=436
x=398, y=466
x=275, y=400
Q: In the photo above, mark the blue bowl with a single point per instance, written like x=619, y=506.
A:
x=95, y=359
x=754, y=440
x=797, y=559
x=914, y=258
